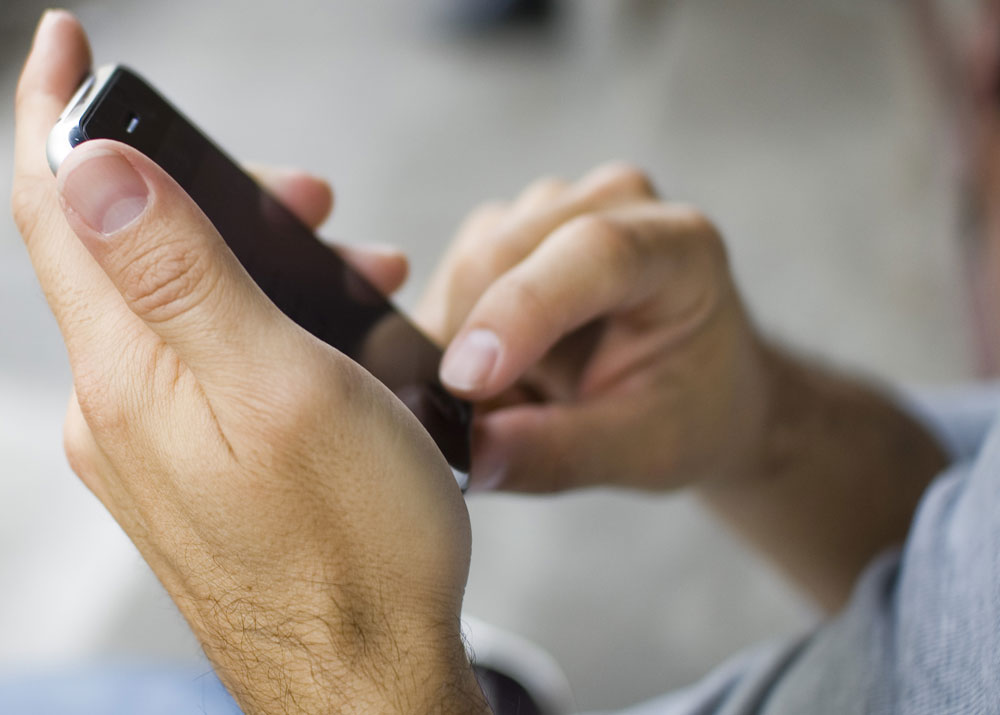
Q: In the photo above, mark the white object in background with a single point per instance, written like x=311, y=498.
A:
x=520, y=659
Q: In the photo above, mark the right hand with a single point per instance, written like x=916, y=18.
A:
x=599, y=330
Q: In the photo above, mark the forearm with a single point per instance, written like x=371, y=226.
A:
x=838, y=477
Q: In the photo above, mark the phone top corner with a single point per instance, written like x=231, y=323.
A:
x=68, y=130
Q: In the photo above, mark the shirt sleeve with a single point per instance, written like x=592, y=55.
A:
x=921, y=633
x=960, y=417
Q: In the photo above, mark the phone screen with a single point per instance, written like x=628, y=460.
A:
x=307, y=280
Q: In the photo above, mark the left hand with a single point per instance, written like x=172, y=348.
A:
x=300, y=517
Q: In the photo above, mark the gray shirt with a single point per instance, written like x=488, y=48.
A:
x=921, y=634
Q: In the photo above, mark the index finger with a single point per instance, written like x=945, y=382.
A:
x=596, y=265
x=58, y=62
x=78, y=292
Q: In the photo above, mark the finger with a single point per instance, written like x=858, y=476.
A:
x=616, y=180
x=385, y=267
x=74, y=286
x=166, y=259
x=453, y=290
x=58, y=62
x=496, y=237
x=539, y=194
x=553, y=447
x=605, y=187
x=309, y=197
x=597, y=265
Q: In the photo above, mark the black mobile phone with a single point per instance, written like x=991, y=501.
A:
x=307, y=280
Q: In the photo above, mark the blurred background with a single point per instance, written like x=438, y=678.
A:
x=815, y=133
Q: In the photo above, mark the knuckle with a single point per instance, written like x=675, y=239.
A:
x=624, y=178
x=695, y=220
x=488, y=211
x=521, y=296
x=112, y=391
x=595, y=225
x=609, y=243
x=77, y=445
x=464, y=276
x=165, y=279
x=291, y=414
x=474, y=270
x=612, y=254
x=478, y=227
x=477, y=230
x=703, y=231
x=105, y=410
x=78, y=454
x=482, y=217
x=543, y=188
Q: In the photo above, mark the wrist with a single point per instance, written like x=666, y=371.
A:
x=340, y=652
x=790, y=403
x=752, y=429
x=347, y=674
x=838, y=473
x=813, y=410
x=797, y=396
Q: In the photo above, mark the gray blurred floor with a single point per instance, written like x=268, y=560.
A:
x=804, y=128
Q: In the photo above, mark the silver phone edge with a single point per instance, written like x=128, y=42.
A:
x=59, y=143
x=462, y=478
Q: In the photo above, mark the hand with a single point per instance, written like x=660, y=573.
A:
x=300, y=517
x=600, y=330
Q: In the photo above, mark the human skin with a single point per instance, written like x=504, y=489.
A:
x=600, y=331
x=300, y=517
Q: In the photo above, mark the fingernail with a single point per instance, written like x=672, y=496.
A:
x=468, y=363
x=105, y=191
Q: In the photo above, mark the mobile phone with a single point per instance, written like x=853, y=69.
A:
x=307, y=280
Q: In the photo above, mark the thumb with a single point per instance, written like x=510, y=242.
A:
x=164, y=256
